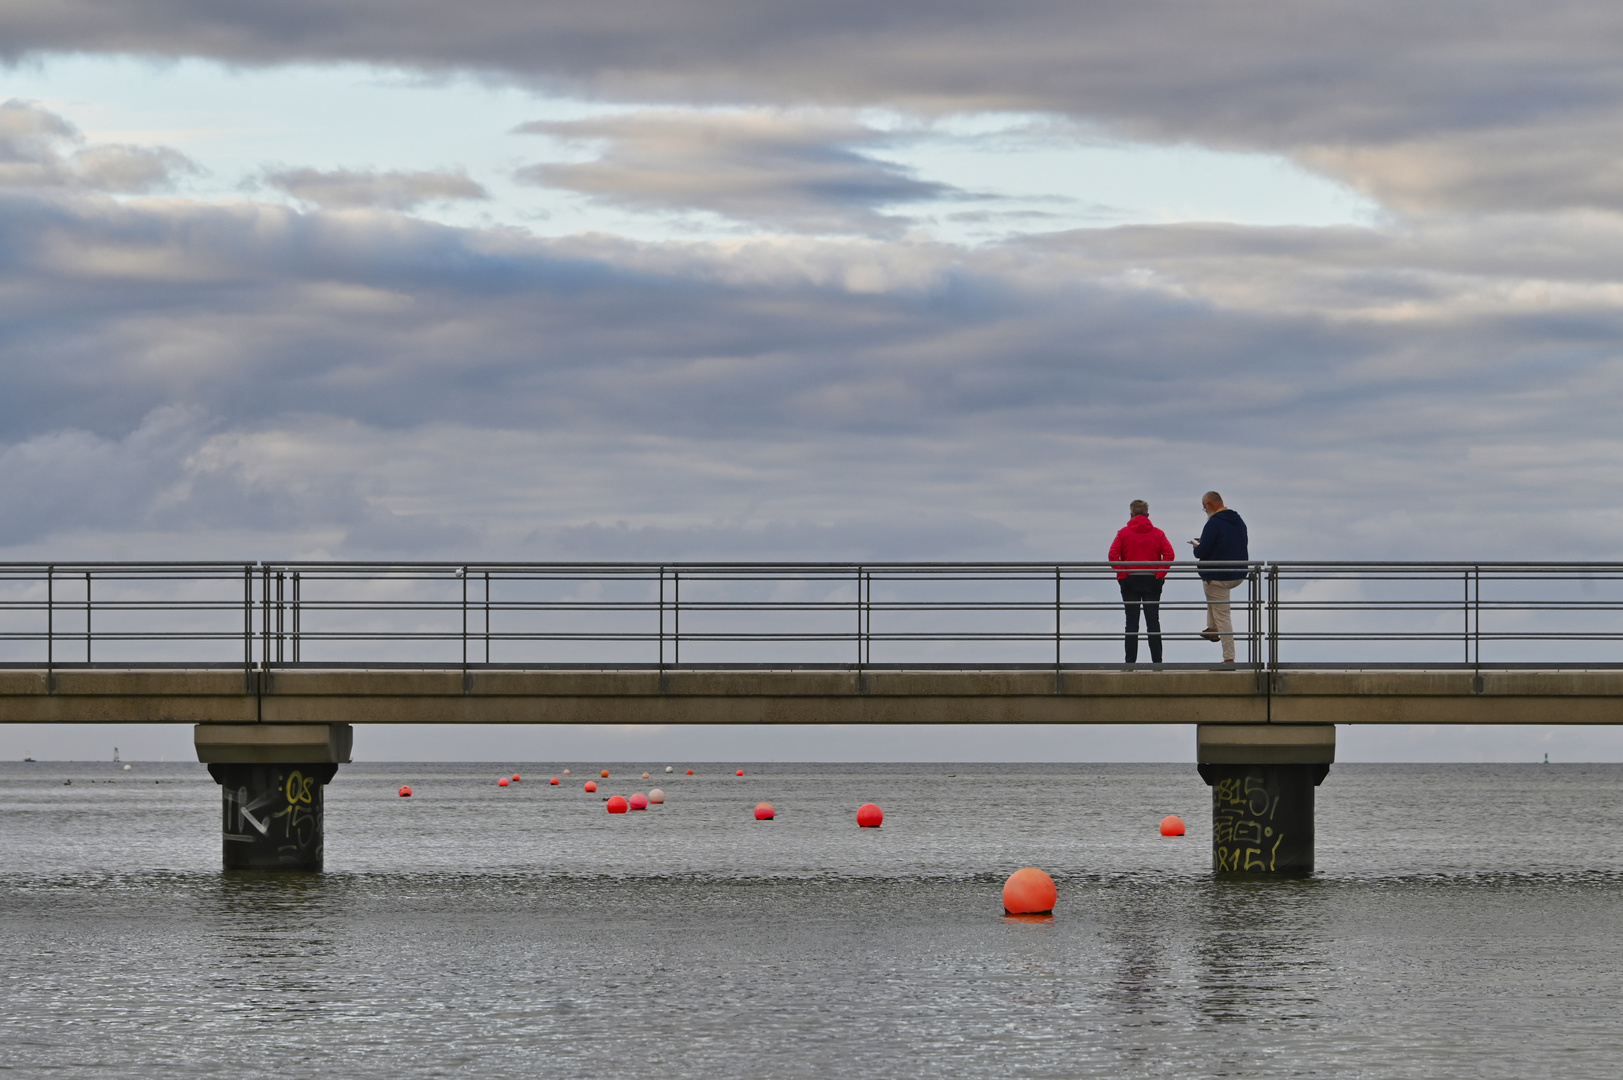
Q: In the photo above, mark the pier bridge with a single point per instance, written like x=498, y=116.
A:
x=273, y=662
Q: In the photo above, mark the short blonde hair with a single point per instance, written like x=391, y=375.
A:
x=1139, y=508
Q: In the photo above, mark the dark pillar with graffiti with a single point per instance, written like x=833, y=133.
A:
x=271, y=778
x=1263, y=777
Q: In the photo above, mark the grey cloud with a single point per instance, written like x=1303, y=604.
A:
x=804, y=173
x=350, y=189
x=354, y=383
x=39, y=149
x=1473, y=90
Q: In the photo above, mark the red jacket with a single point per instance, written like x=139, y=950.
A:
x=1140, y=541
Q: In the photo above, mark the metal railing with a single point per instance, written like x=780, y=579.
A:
x=261, y=616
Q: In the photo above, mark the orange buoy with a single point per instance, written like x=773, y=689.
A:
x=869, y=816
x=517, y=778
x=591, y=785
x=502, y=782
x=639, y=801
x=1172, y=825
x=656, y=796
x=604, y=774
x=764, y=811
x=740, y=772
x=405, y=791
x=1029, y=892
x=553, y=781
x=690, y=772
x=645, y=776
x=617, y=805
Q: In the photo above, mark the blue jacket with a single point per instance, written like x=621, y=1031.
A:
x=1223, y=540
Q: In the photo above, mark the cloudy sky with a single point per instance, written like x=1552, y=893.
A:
x=840, y=280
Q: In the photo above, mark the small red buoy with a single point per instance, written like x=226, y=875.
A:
x=604, y=774
x=566, y=772
x=1172, y=825
x=764, y=811
x=645, y=776
x=405, y=791
x=502, y=782
x=656, y=796
x=639, y=801
x=869, y=816
x=591, y=785
x=517, y=778
x=690, y=772
x=553, y=781
x=740, y=772
x=617, y=805
x=1029, y=892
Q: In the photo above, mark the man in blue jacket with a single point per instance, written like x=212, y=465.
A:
x=1223, y=540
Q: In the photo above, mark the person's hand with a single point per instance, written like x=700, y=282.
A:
x=1194, y=543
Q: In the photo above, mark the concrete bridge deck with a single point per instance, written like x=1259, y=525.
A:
x=811, y=696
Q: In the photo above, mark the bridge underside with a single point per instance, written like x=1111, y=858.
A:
x=687, y=696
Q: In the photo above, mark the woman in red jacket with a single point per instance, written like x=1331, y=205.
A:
x=1140, y=541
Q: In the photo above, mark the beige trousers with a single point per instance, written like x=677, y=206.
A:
x=1218, y=615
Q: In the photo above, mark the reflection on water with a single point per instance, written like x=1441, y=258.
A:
x=1462, y=923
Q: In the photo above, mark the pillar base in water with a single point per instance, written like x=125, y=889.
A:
x=271, y=778
x=271, y=815
x=1262, y=778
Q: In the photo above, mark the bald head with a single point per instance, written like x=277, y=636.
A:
x=1211, y=502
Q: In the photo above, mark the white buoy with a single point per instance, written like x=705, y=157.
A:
x=672, y=768
x=656, y=796
x=126, y=768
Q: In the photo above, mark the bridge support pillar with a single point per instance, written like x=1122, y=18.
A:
x=1262, y=778
x=271, y=778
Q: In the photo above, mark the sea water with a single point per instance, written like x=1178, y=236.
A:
x=1465, y=921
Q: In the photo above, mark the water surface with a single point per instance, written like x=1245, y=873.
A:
x=1466, y=921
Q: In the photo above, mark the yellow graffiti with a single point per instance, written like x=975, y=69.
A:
x=298, y=788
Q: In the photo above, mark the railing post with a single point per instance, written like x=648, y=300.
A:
x=1476, y=629
x=88, y=609
x=676, y=618
x=247, y=627
x=264, y=617
x=297, y=628
x=463, y=575
x=1056, y=619
x=859, y=623
x=50, y=627
x=1273, y=622
x=487, y=616
x=281, y=627
x=662, y=621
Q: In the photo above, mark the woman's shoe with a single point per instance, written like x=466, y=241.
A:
x=1210, y=633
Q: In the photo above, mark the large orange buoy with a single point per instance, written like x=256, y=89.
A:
x=405, y=791
x=764, y=811
x=870, y=816
x=1029, y=892
x=740, y=772
x=604, y=774
x=617, y=805
x=591, y=785
x=639, y=801
x=690, y=772
x=502, y=782
x=656, y=796
x=553, y=781
x=1172, y=825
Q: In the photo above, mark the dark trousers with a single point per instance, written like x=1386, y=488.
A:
x=1142, y=591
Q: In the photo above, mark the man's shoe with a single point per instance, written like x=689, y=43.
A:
x=1210, y=633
